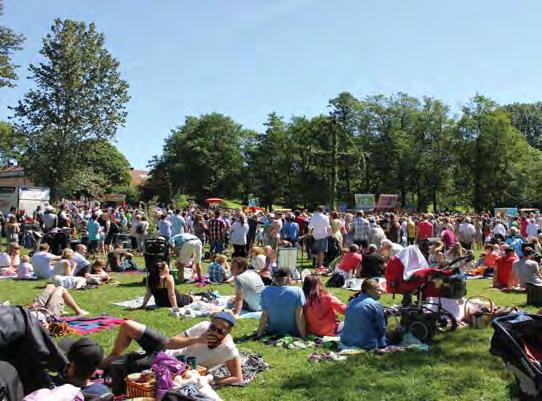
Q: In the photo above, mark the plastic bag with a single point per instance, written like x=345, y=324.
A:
x=166, y=368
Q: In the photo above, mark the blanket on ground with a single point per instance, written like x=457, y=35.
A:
x=134, y=303
x=251, y=364
x=86, y=325
x=290, y=342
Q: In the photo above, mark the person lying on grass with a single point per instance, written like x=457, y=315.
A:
x=209, y=342
x=282, y=306
x=161, y=285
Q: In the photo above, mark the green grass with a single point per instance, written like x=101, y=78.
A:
x=458, y=366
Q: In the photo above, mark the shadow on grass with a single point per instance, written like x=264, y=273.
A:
x=447, y=372
x=132, y=284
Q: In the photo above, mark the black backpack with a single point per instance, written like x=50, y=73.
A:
x=336, y=281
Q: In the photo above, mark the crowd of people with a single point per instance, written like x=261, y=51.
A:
x=244, y=249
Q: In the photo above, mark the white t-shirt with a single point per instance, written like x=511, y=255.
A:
x=41, y=261
x=532, y=230
x=467, y=231
x=320, y=224
x=205, y=356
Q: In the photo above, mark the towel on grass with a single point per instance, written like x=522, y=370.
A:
x=87, y=325
x=251, y=365
x=134, y=303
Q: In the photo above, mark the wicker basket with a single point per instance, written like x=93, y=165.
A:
x=136, y=389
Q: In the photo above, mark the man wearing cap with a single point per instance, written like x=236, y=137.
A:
x=49, y=219
x=282, y=307
x=209, y=342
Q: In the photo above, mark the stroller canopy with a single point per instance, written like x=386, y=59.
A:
x=412, y=260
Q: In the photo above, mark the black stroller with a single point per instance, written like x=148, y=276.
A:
x=156, y=250
x=517, y=339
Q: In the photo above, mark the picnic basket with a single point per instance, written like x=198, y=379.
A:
x=135, y=388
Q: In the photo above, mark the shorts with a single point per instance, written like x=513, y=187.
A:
x=152, y=341
x=320, y=245
x=189, y=249
x=52, y=301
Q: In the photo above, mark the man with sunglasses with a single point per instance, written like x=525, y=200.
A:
x=209, y=342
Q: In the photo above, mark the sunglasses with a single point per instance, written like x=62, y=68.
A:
x=218, y=330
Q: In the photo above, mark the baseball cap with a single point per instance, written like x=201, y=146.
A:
x=228, y=317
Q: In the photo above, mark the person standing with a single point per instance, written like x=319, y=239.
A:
x=177, y=223
x=360, y=230
x=217, y=233
x=188, y=247
x=467, y=233
x=164, y=227
x=238, y=236
x=320, y=228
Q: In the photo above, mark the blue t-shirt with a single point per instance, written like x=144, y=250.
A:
x=280, y=304
x=364, y=324
x=177, y=224
x=93, y=228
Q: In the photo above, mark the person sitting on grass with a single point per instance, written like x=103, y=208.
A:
x=209, y=342
x=282, y=306
x=350, y=263
x=161, y=285
x=97, y=272
x=42, y=261
x=526, y=270
x=321, y=307
x=25, y=269
x=218, y=269
x=364, y=322
x=248, y=287
x=114, y=258
x=502, y=276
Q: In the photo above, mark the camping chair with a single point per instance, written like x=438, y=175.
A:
x=287, y=258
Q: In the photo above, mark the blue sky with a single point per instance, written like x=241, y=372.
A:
x=248, y=58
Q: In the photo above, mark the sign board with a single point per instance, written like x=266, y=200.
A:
x=119, y=198
x=503, y=212
x=8, y=198
x=32, y=197
x=365, y=201
x=254, y=202
x=387, y=201
x=10, y=174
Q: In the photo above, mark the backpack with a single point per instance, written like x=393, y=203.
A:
x=140, y=229
x=336, y=280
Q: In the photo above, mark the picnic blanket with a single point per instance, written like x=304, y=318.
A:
x=134, y=303
x=88, y=325
x=251, y=364
x=290, y=342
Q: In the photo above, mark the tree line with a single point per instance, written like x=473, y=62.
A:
x=484, y=156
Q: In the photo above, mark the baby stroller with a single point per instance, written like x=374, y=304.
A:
x=517, y=339
x=156, y=250
x=408, y=274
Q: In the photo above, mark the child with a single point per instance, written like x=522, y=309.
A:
x=217, y=270
x=25, y=268
x=97, y=273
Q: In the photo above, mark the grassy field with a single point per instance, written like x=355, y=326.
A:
x=458, y=366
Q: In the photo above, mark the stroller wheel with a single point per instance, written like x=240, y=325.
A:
x=446, y=322
x=420, y=330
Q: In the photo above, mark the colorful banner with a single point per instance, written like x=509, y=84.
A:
x=365, y=201
x=387, y=201
x=503, y=212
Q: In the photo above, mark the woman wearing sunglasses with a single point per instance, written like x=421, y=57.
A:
x=209, y=342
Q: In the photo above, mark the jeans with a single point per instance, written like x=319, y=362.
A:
x=217, y=246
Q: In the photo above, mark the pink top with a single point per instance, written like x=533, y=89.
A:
x=24, y=270
x=320, y=315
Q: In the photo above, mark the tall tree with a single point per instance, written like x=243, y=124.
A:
x=79, y=97
x=10, y=42
x=527, y=118
x=203, y=157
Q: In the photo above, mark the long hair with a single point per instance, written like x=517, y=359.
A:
x=313, y=288
x=154, y=275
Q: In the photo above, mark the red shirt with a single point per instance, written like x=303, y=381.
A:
x=425, y=230
x=504, y=269
x=320, y=315
x=524, y=224
x=350, y=261
x=302, y=223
